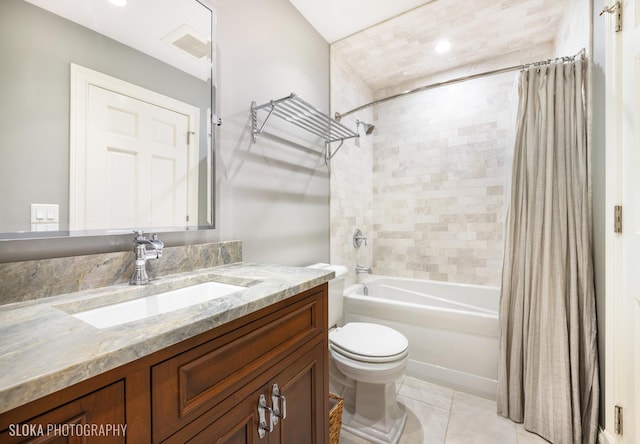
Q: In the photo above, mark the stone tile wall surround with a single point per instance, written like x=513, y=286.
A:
x=401, y=50
x=22, y=281
x=351, y=172
x=439, y=177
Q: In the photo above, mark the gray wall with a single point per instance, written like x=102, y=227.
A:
x=274, y=194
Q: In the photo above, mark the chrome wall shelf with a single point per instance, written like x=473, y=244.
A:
x=303, y=115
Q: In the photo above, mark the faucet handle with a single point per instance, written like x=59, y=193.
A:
x=358, y=237
x=139, y=234
x=157, y=244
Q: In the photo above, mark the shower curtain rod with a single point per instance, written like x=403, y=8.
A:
x=580, y=54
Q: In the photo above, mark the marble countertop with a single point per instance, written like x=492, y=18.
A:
x=45, y=349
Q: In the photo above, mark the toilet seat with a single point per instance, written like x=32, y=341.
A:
x=368, y=359
x=370, y=343
x=369, y=353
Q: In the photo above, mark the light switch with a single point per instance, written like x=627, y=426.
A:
x=45, y=217
x=52, y=213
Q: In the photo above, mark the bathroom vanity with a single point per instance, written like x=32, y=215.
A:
x=248, y=367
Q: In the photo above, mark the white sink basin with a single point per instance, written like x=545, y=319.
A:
x=136, y=309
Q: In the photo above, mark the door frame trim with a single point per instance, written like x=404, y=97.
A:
x=613, y=242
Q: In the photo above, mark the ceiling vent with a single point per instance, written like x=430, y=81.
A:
x=190, y=41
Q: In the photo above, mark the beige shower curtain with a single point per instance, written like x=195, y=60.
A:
x=548, y=368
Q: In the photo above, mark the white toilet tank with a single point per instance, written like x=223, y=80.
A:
x=336, y=291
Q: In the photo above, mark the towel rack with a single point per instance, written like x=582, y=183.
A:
x=303, y=115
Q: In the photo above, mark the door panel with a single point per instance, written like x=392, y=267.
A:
x=146, y=153
x=239, y=426
x=302, y=383
x=627, y=329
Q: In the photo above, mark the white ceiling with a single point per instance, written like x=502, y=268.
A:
x=387, y=42
x=337, y=19
x=143, y=25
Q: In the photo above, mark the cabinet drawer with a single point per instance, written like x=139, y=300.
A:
x=84, y=420
x=189, y=384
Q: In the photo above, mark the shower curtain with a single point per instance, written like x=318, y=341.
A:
x=548, y=368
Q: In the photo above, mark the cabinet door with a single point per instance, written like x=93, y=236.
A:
x=303, y=385
x=301, y=382
x=239, y=426
x=95, y=418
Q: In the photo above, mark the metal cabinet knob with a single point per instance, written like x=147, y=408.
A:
x=276, y=396
x=264, y=426
x=274, y=412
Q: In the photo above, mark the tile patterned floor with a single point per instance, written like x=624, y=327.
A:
x=438, y=415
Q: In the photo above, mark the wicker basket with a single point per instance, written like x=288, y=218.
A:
x=336, y=404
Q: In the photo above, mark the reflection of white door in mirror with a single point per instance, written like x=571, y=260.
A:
x=134, y=156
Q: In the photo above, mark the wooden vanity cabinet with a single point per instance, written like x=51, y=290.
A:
x=207, y=388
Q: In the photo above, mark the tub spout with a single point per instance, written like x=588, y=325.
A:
x=362, y=269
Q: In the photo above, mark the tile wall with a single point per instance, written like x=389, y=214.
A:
x=428, y=187
x=439, y=181
x=351, y=172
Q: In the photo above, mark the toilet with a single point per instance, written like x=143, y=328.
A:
x=365, y=361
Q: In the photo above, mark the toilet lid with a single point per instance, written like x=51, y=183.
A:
x=369, y=340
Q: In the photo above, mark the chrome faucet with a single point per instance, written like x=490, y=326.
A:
x=142, y=254
x=362, y=269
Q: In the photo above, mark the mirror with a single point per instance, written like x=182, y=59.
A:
x=105, y=117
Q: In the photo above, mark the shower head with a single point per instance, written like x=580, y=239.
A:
x=368, y=128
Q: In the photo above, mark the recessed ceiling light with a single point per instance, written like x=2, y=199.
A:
x=119, y=2
x=443, y=46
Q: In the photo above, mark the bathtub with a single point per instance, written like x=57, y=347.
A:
x=452, y=328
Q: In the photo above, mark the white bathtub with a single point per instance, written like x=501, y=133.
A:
x=452, y=328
